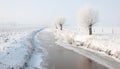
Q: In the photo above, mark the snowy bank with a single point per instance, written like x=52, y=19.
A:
x=102, y=49
x=108, y=44
x=16, y=54
x=96, y=56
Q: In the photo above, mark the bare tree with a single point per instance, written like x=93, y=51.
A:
x=89, y=17
x=59, y=23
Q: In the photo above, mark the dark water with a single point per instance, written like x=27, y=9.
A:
x=61, y=58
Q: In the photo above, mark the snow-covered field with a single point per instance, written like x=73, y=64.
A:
x=10, y=36
x=12, y=50
x=106, y=30
x=16, y=48
x=22, y=50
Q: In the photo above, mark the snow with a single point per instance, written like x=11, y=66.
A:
x=108, y=44
x=16, y=53
x=105, y=43
x=36, y=60
x=106, y=30
x=65, y=33
x=10, y=36
x=24, y=50
x=19, y=51
x=102, y=48
x=81, y=38
x=96, y=56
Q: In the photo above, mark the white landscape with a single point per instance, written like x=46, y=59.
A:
x=62, y=34
x=25, y=50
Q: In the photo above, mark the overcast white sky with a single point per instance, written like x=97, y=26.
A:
x=45, y=11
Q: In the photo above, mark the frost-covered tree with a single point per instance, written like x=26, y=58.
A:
x=88, y=17
x=59, y=23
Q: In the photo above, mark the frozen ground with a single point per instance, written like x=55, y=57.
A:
x=38, y=50
x=17, y=53
x=10, y=36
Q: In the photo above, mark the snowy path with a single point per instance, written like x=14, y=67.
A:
x=37, y=56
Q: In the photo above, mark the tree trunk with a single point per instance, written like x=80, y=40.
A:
x=60, y=26
x=90, y=30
